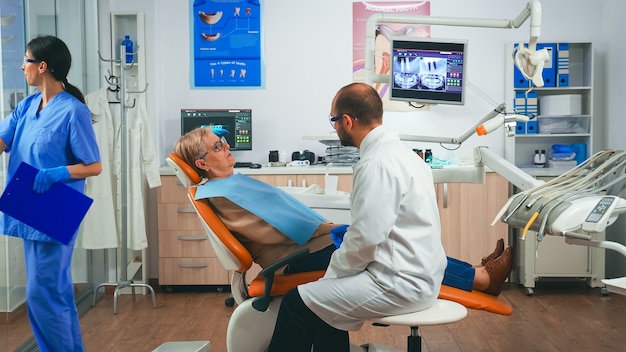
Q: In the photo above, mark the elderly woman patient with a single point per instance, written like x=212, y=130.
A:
x=271, y=224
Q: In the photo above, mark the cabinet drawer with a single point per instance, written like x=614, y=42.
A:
x=171, y=191
x=178, y=216
x=192, y=271
x=185, y=244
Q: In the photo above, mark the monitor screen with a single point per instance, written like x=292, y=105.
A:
x=238, y=122
x=428, y=71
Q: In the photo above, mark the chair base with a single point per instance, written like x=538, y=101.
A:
x=184, y=346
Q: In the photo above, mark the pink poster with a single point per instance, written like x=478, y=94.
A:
x=361, y=11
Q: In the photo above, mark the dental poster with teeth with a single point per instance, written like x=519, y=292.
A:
x=361, y=11
x=226, y=43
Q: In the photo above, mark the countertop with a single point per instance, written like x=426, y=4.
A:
x=452, y=173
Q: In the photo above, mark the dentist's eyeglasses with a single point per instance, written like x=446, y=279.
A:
x=333, y=119
x=217, y=147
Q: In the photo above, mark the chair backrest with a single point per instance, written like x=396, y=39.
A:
x=231, y=253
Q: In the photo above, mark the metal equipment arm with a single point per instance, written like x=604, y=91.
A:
x=532, y=10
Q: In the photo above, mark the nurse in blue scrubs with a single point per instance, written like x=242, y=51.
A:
x=52, y=131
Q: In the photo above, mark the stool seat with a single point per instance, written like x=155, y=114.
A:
x=442, y=312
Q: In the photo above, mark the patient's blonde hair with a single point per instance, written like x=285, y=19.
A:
x=192, y=145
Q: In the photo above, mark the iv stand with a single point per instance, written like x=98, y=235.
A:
x=124, y=280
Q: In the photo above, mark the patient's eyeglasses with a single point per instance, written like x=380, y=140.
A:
x=334, y=119
x=217, y=147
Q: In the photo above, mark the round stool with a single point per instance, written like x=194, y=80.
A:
x=442, y=312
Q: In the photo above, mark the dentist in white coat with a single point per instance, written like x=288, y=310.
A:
x=391, y=260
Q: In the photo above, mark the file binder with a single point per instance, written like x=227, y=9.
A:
x=56, y=212
x=563, y=64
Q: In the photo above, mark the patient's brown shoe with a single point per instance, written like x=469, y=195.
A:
x=498, y=270
x=495, y=254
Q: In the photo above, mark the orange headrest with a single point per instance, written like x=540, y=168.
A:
x=180, y=166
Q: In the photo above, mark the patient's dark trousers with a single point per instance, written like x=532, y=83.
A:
x=298, y=328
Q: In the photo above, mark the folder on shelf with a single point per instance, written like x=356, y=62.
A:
x=532, y=127
x=526, y=103
x=519, y=81
x=563, y=64
x=532, y=103
x=56, y=212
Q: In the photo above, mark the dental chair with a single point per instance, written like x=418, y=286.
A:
x=252, y=323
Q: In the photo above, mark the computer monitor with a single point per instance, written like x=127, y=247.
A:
x=238, y=122
x=428, y=71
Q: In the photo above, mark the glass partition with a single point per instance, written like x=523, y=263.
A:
x=74, y=21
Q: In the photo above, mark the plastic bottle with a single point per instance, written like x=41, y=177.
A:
x=428, y=156
x=129, y=48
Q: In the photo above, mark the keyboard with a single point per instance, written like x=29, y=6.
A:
x=242, y=164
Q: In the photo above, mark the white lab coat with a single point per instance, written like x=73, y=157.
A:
x=391, y=260
x=101, y=227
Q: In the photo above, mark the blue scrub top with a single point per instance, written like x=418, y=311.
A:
x=60, y=134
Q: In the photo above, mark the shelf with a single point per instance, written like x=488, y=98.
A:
x=554, y=89
x=555, y=135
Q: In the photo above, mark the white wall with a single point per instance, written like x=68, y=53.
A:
x=308, y=54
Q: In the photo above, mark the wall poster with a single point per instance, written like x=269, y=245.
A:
x=361, y=11
x=226, y=43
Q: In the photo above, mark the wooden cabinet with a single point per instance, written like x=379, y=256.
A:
x=186, y=256
x=466, y=212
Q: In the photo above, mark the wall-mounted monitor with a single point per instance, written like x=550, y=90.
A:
x=238, y=123
x=428, y=71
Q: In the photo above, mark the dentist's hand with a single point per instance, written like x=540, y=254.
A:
x=336, y=233
x=46, y=177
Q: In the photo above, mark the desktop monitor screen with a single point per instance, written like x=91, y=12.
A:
x=238, y=122
x=428, y=71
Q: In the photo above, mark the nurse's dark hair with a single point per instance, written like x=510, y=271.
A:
x=361, y=101
x=57, y=56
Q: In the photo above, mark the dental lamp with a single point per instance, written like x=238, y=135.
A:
x=528, y=60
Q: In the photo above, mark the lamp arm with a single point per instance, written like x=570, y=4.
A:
x=463, y=137
x=532, y=10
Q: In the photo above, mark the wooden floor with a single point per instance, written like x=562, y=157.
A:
x=558, y=317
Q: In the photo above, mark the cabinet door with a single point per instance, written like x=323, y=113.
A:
x=466, y=211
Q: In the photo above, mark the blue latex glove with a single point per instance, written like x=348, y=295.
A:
x=46, y=177
x=337, y=233
x=219, y=130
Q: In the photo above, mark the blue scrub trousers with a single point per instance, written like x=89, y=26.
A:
x=459, y=274
x=50, y=296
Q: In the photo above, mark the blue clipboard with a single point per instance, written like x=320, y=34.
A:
x=57, y=212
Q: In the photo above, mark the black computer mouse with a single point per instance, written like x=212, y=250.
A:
x=255, y=166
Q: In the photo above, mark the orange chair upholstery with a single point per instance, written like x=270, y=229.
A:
x=232, y=254
x=477, y=300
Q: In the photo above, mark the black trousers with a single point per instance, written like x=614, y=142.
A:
x=298, y=329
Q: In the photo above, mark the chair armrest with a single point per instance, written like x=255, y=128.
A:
x=262, y=303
